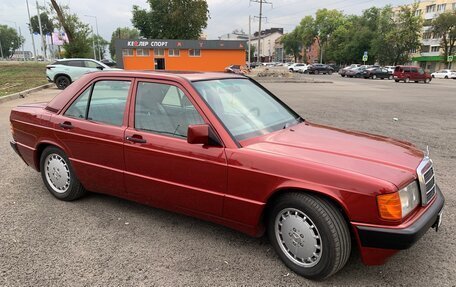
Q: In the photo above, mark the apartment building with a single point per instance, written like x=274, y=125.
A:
x=429, y=56
x=267, y=51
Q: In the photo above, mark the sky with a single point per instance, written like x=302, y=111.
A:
x=225, y=15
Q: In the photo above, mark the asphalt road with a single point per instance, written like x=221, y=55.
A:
x=105, y=241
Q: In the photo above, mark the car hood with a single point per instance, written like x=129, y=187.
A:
x=371, y=155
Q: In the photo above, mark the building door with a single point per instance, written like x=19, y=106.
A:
x=159, y=63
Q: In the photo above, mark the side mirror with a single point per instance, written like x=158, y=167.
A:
x=202, y=134
x=198, y=134
x=100, y=68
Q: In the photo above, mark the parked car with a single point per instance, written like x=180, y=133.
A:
x=380, y=73
x=222, y=148
x=302, y=69
x=320, y=69
x=444, y=74
x=411, y=73
x=356, y=72
x=235, y=69
x=294, y=68
x=65, y=71
x=390, y=69
x=343, y=71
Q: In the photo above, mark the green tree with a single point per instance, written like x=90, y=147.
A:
x=121, y=33
x=326, y=22
x=292, y=44
x=445, y=26
x=307, y=31
x=171, y=19
x=406, y=34
x=100, y=45
x=79, y=34
x=9, y=40
x=46, y=24
x=380, y=44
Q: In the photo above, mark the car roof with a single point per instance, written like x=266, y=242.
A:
x=60, y=100
x=75, y=59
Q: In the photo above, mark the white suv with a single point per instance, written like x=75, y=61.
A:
x=65, y=71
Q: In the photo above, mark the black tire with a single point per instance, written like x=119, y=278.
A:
x=433, y=76
x=72, y=189
x=397, y=81
x=446, y=77
x=62, y=82
x=343, y=76
x=318, y=214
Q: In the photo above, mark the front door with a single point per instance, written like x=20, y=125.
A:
x=160, y=165
x=159, y=63
x=91, y=131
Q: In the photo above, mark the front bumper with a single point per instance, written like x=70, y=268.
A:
x=398, y=239
x=16, y=150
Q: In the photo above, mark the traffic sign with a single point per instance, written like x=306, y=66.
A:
x=365, y=58
x=450, y=59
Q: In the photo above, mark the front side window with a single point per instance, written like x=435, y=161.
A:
x=102, y=102
x=164, y=109
x=194, y=52
x=245, y=109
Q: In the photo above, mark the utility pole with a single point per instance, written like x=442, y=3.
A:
x=43, y=43
x=98, y=36
x=249, y=40
x=93, y=44
x=31, y=32
x=260, y=17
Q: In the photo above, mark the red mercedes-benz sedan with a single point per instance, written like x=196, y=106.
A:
x=223, y=148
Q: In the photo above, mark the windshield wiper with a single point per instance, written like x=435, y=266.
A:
x=297, y=120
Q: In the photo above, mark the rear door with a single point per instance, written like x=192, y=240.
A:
x=91, y=130
x=160, y=165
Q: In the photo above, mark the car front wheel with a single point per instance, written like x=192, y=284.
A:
x=62, y=82
x=58, y=175
x=309, y=234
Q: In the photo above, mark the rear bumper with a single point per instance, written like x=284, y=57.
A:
x=398, y=239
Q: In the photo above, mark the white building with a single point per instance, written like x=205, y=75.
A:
x=235, y=35
x=268, y=41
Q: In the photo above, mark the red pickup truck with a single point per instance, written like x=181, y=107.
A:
x=223, y=148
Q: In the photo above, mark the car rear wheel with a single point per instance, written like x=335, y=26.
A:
x=58, y=175
x=62, y=82
x=309, y=234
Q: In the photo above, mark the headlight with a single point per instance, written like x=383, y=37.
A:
x=397, y=205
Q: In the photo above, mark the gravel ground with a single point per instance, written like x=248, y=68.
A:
x=105, y=241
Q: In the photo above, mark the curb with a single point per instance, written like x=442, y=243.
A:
x=265, y=80
x=23, y=94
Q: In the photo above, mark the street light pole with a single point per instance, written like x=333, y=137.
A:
x=98, y=36
x=43, y=43
x=93, y=44
x=31, y=32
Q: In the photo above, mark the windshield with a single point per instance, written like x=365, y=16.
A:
x=245, y=109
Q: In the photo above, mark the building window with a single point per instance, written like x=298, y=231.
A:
x=127, y=52
x=427, y=35
x=413, y=51
x=435, y=48
x=441, y=7
x=194, y=52
x=159, y=52
x=425, y=49
x=174, y=52
x=142, y=52
x=418, y=12
x=430, y=8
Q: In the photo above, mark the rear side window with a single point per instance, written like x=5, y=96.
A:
x=406, y=69
x=90, y=64
x=102, y=102
x=414, y=70
x=75, y=63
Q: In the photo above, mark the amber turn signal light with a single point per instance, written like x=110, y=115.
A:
x=389, y=206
